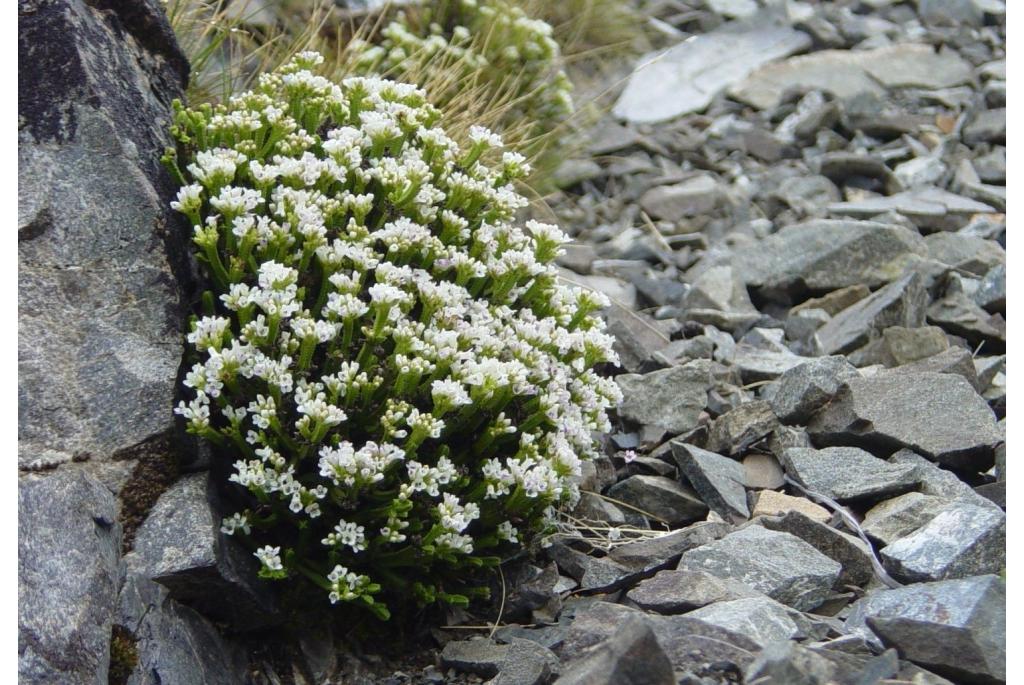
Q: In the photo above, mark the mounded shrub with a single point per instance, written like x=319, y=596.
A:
x=405, y=388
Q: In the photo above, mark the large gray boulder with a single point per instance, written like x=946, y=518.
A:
x=100, y=255
x=68, y=545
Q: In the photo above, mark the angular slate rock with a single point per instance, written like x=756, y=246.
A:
x=962, y=540
x=965, y=252
x=788, y=662
x=594, y=574
x=665, y=550
x=900, y=516
x=181, y=547
x=679, y=591
x=991, y=292
x=68, y=549
x=761, y=619
x=526, y=663
x=937, y=415
x=954, y=627
x=938, y=482
x=632, y=656
x=847, y=474
x=718, y=480
x=798, y=393
x=901, y=303
x=929, y=207
x=692, y=197
x=735, y=431
x=785, y=568
x=849, y=550
x=828, y=254
x=687, y=76
x=101, y=255
x=482, y=657
x=662, y=497
x=955, y=360
x=762, y=471
x=900, y=346
x=671, y=398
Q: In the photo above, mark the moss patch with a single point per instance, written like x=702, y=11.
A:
x=157, y=467
x=124, y=655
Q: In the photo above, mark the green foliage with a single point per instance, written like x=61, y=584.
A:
x=405, y=387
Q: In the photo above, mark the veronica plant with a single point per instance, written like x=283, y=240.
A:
x=406, y=387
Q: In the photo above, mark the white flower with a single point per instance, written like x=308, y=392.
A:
x=270, y=557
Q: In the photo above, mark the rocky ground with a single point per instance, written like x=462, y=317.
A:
x=799, y=216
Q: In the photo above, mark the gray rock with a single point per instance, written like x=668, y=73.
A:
x=828, y=254
x=991, y=293
x=661, y=497
x=175, y=644
x=848, y=73
x=755, y=364
x=734, y=432
x=991, y=167
x=687, y=76
x=962, y=540
x=68, y=548
x=791, y=663
x=482, y=656
x=594, y=574
x=847, y=474
x=680, y=591
x=958, y=314
x=900, y=345
x=955, y=360
x=988, y=126
x=950, y=12
x=692, y=197
x=180, y=546
x=636, y=339
x=954, y=627
x=665, y=550
x=841, y=167
x=938, y=415
x=99, y=250
x=718, y=480
x=900, y=516
x=965, y=252
x=672, y=399
x=786, y=568
x=719, y=297
x=632, y=656
x=526, y=663
x=798, y=393
x=835, y=301
x=901, y=303
x=850, y=551
x=928, y=207
x=761, y=619
x=938, y=482
x=920, y=171
x=593, y=507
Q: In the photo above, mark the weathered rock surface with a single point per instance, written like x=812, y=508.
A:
x=938, y=415
x=718, y=480
x=68, y=547
x=671, y=398
x=95, y=233
x=786, y=568
x=954, y=627
x=663, y=497
x=901, y=303
x=847, y=473
x=680, y=591
x=804, y=389
x=961, y=540
x=632, y=656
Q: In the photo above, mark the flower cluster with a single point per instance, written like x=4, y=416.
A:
x=406, y=388
x=491, y=43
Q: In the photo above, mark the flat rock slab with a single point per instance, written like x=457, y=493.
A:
x=99, y=249
x=654, y=552
x=761, y=619
x=798, y=393
x=847, y=73
x=900, y=516
x=956, y=627
x=771, y=503
x=961, y=540
x=68, y=551
x=686, y=77
x=671, y=399
x=828, y=254
x=927, y=207
x=718, y=480
x=937, y=415
x=903, y=302
x=849, y=550
x=661, y=497
x=847, y=474
x=632, y=656
x=679, y=591
x=785, y=568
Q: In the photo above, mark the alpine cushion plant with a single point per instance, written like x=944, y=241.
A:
x=405, y=387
